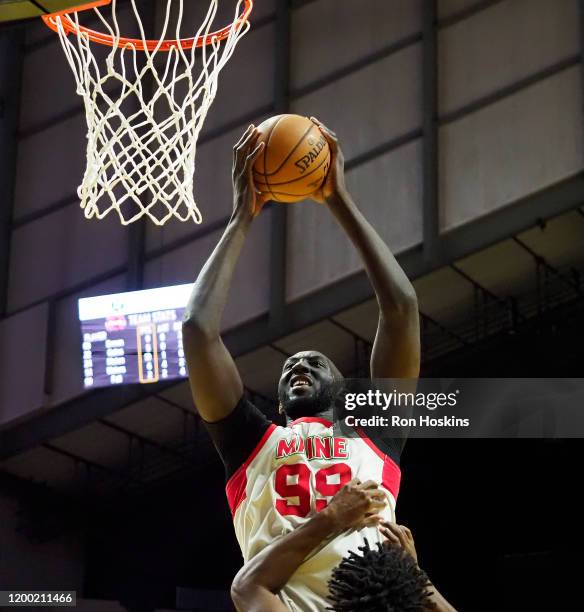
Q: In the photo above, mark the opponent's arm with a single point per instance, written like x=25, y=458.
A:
x=399, y=535
x=396, y=350
x=256, y=585
x=215, y=382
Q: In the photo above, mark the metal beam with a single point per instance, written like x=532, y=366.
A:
x=350, y=332
x=163, y=448
x=278, y=235
x=50, y=339
x=282, y=352
x=430, y=130
x=467, y=12
x=136, y=255
x=505, y=92
x=136, y=235
x=69, y=416
x=176, y=405
x=542, y=261
x=91, y=464
x=358, y=64
x=504, y=302
x=444, y=329
x=11, y=45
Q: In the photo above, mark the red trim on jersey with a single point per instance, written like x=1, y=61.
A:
x=320, y=420
x=391, y=475
x=237, y=484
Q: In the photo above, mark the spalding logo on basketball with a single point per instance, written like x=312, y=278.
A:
x=295, y=160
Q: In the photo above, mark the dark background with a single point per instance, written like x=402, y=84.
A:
x=493, y=520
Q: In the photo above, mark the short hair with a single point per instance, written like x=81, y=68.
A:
x=385, y=579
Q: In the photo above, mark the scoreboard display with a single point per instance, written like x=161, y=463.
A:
x=133, y=337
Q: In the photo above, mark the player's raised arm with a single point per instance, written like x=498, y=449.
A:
x=396, y=350
x=214, y=379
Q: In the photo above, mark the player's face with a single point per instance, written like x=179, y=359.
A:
x=305, y=386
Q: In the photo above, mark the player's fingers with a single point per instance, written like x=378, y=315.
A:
x=243, y=147
x=401, y=534
x=323, y=127
x=243, y=136
x=253, y=155
x=332, y=134
x=376, y=506
x=260, y=199
x=388, y=535
x=328, y=134
x=378, y=494
x=372, y=521
x=394, y=528
x=239, y=146
x=378, y=497
x=407, y=532
x=369, y=484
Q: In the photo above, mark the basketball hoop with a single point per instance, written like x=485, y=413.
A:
x=141, y=145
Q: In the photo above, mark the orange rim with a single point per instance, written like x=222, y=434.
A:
x=140, y=45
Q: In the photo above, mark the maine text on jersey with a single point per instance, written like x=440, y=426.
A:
x=312, y=447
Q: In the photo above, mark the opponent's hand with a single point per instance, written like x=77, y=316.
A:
x=334, y=183
x=356, y=505
x=247, y=200
x=399, y=535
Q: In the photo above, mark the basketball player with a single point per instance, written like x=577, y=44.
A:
x=278, y=477
x=377, y=580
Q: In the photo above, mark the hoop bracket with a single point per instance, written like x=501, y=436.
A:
x=139, y=45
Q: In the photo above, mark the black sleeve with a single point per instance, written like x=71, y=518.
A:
x=236, y=436
x=392, y=447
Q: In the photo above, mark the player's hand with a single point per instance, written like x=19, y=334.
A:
x=399, y=535
x=356, y=505
x=334, y=183
x=247, y=200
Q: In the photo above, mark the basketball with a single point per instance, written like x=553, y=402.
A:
x=295, y=160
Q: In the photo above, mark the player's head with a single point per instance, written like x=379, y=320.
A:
x=307, y=384
x=383, y=579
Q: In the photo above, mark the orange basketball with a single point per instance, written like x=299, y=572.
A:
x=295, y=161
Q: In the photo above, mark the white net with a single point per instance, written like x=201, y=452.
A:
x=145, y=110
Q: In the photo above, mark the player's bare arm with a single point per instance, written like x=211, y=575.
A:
x=215, y=382
x=256, y=585
x=401, y=536
x=396, y=350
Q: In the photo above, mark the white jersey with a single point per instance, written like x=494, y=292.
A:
x=293, y=473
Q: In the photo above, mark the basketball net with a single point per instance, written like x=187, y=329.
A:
x=142, y=138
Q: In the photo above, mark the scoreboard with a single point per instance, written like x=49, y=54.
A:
x=133, y=337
